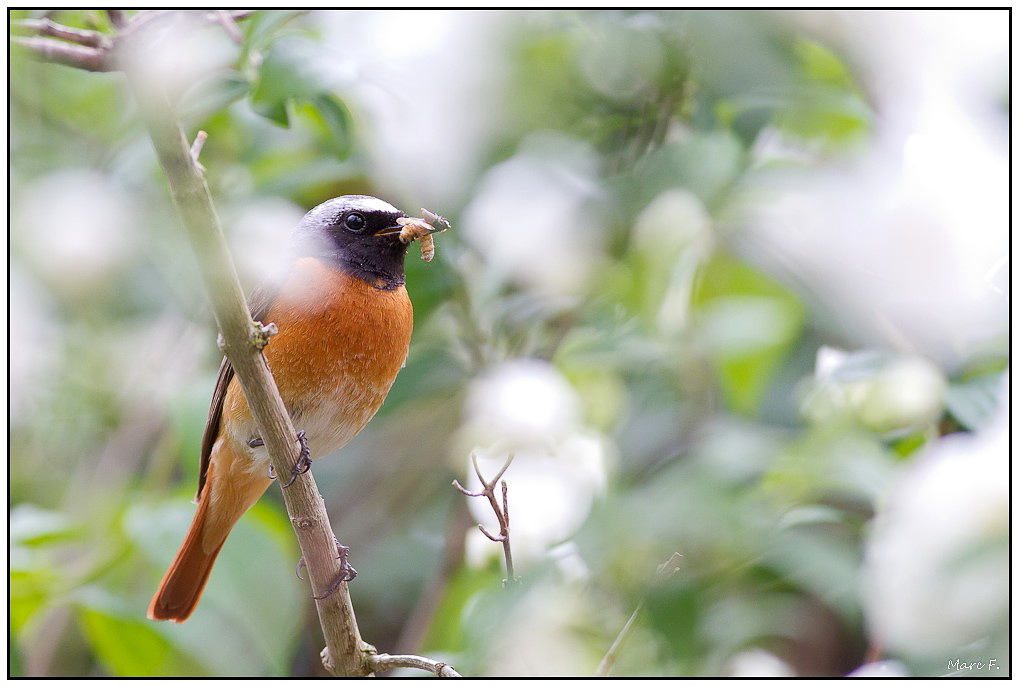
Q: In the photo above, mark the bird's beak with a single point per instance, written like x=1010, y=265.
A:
x=392, y=229
x=401, y=222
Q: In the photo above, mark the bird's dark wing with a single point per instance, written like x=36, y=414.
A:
x=259, y=302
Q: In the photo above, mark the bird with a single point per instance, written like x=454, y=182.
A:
x=344, y=322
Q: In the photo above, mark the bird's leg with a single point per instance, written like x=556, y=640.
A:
x=303, y=463
x=255, y=442
x=347, y=572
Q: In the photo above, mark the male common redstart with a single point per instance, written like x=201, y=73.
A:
x=344, y=322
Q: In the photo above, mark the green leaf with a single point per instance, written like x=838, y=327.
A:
x=280, y=79
x=213, y=94
x=821, y=65
x=747, y=324
x=973, y=401
x=29, y=592
x=705, y=163
x=288, y=87
x=253, y=606
x=446, y=630
x=34, y=579
x=826, y=104
x=33, y=526
x=823, y=560
x=128, y=645
x=264, y=25
x=332, y=119
x=675, y=609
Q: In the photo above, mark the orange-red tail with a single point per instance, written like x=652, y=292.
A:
x=229, y=491
x=185, y=579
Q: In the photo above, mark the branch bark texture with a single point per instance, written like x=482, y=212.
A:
x=242, y=341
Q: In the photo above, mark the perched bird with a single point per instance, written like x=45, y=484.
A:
x=344, y=321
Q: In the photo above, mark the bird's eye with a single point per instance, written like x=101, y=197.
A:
x=355, y=222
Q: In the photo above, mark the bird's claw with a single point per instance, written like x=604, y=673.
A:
x=347, y=572
x=303, y=463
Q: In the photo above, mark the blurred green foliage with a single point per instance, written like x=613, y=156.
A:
x=111, y=371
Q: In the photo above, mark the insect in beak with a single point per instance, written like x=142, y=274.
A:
x=414, y=228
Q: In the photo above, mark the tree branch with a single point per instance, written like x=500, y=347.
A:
x=242, y=346
x=95, y=51
x=68, y=54
x=47, y=27
x=241, y=339
x=383, y=662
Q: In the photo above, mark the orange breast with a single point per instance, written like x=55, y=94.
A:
x=340, y=345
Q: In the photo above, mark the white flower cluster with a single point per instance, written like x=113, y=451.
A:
x=905, y=245
x=525, y=408
x=936, y=577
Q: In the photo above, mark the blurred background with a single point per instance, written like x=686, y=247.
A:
x=728, y=284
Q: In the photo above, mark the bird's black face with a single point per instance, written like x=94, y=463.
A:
x=358, y=234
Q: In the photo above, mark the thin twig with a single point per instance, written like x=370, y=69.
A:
x=501, y=513
x=383, y=662
x=506, y=551
x=664, y=572
x=238, y=15
x=95, y=51
x=67, y=54
x=196, y=146
x=609, y=659
x=229, y=24
x=117, y=18
x=47, y=27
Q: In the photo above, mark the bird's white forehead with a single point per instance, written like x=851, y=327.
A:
x=371, y=204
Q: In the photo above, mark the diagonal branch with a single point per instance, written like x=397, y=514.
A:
x=241, y=339
x=241, y=345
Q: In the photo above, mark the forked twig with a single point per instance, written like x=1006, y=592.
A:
x=49, y=28
x=501, y=512
x=95, y=51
